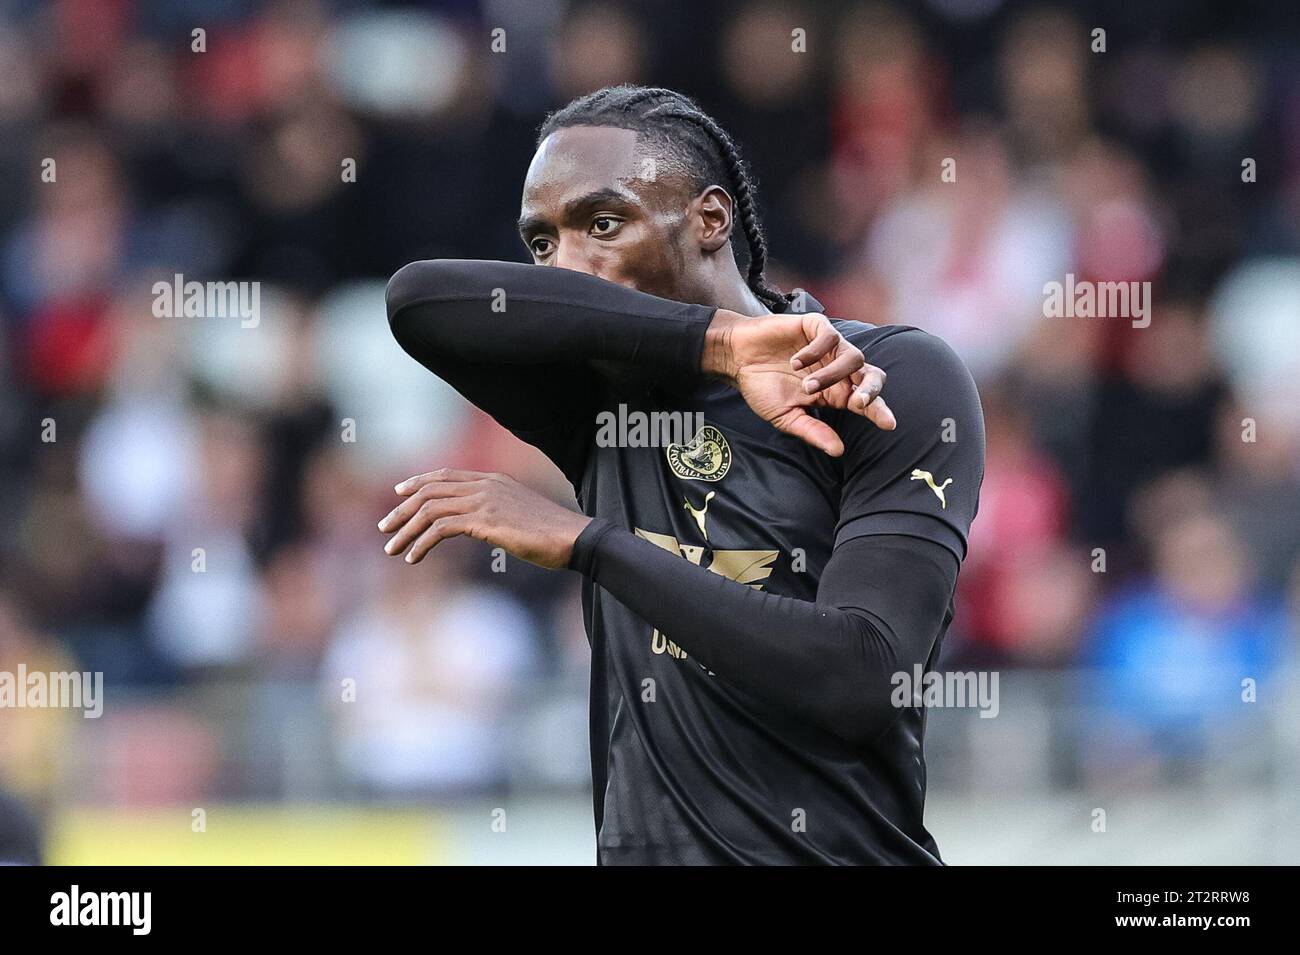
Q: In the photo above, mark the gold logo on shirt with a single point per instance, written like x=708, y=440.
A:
x=706, y=458
x=700, y=514
x=928, y=478
x=749, y=567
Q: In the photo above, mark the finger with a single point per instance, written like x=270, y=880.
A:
x=879, y=414
x=867, y=400
x=813, y=431
x=439, y=531
x=824, y=341
x=418, y=481
x=418, y=523
x=434, y=489
x=873, y=380
x=838, y=369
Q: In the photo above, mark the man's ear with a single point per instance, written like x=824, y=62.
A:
x=713, y=213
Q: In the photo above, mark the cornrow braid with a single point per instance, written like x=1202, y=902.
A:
x=677, y=125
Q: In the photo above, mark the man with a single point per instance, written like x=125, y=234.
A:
x=751, y=594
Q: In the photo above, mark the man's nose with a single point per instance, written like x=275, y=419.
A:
x=570, y=255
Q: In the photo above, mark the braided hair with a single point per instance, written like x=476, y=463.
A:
x=694, y=141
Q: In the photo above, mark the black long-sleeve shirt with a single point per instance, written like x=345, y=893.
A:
x=743, y=699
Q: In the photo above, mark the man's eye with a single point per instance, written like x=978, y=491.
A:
x=540, y=247
x=605, y=225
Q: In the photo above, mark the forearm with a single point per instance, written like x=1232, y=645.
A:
x=831, y=663
x=510, y=313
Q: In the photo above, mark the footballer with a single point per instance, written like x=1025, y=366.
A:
x=749, y=595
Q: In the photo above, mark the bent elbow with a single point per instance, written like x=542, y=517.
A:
x=869, y=697
x=414, y=282
x=860, y=722
x=872, y=720
x=433, y=284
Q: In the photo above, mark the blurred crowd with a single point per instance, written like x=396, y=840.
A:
x=191, y=503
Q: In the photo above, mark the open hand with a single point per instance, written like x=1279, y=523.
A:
x=489, y=507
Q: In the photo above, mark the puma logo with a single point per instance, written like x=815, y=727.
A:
x=928, y=478
x=699, y=514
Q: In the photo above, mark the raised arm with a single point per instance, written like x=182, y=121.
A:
x=508, y=313
x=518, y=341
x=522, y=342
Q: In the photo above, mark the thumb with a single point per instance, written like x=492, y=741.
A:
x=811, y=430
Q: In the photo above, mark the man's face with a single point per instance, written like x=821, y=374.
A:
x=594, y=203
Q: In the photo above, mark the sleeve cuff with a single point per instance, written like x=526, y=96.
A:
x=692, y=356
x=906, y=523
x=583, y=558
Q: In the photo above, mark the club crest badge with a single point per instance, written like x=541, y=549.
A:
x=706, y=458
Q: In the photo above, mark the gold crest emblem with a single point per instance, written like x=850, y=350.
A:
x=706, y=458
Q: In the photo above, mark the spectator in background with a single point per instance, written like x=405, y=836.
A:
x=206, y=607
x=431, y=661
x=779, y=113
x=964, y=257
x=34, y=741
x=1167, y=384
x=1257, y=486
x=1027, y=592
x=1174, y=652
x=20, y=835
